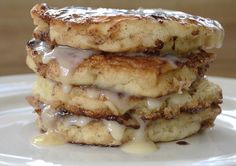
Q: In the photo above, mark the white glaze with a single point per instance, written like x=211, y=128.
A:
x=66, y=88
x=42, y=48
x=142, y=147
x=139, y=134
x=48, y=116
x=154, y=103
x=173, y=60
x=49, y=119
x=93, y=92
x=139, y=143
x=116, y=130
x=179, y=99
x=68, y=59
x=181, y=85
x=74, y=120
x=114, y=100
x=50, y=138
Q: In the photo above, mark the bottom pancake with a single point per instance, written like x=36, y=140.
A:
x=85, y=130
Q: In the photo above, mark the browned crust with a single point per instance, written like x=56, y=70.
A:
x=89, y=22
x=83, y=15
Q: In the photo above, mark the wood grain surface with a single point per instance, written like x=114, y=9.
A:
x=16, y=28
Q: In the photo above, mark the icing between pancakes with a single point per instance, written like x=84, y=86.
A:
x=121, y=103
x=76, y=121
x=49, y=118
x=117, y=103
x=114, y=100
x=69, y=59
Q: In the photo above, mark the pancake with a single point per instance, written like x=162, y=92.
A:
x=83, y=130
x=119, y=30
x=114, y=77
x=99, y=103
x=135, y=74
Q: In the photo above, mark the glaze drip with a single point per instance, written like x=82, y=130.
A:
x=139, y=144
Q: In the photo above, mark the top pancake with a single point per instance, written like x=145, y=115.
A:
x=119, y=30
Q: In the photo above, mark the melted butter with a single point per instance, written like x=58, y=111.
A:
x=49, y=138
x=139, y=143
x=116, y=130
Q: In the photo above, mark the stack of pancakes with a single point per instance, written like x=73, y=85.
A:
x=109, y=76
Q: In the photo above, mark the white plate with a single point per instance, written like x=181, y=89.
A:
x=214, y=147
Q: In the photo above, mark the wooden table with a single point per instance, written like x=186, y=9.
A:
x=16, y=28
